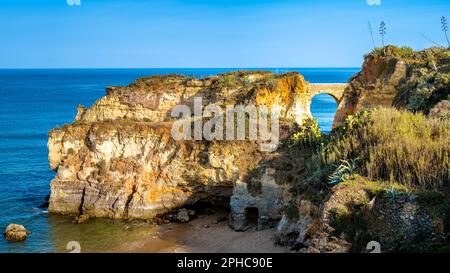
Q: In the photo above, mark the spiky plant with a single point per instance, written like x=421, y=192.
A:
x=342, y=172
x=444, y=27
x=382, y=31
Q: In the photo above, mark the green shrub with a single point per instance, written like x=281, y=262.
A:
x=423, y=58
x=423, y=91
x=308, y=135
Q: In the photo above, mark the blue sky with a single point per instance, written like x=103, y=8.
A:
x=207, y=33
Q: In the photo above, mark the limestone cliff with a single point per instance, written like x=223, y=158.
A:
x=398, y=77
x=118, y=158
x=151, y=99
x=376, y=85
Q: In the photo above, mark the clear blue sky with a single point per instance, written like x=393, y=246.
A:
x=207, y=33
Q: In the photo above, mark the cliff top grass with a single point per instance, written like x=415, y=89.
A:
x=399, y=147
x=417, y=58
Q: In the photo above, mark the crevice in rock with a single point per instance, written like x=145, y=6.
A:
x=80, y=209
x=130, y=198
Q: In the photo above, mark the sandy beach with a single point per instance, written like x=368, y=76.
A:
x=204, y=235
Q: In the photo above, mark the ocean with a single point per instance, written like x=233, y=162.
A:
x=33, y=101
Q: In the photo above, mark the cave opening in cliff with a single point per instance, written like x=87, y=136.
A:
x=323, y=109
x=252, y=216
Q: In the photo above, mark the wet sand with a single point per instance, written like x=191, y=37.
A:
x=204, y=235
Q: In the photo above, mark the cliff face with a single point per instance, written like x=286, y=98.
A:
x=151, y=99
x=119, y=160
x=400, y=78
x=376, y=85
x=135, y=170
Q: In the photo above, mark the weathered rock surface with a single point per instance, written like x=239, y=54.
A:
x=351, y=217
x=16, y=233
x=267, y=205
x=151, y=99
x=376, y=85
x=400, y=78
x=400, y=224
x=296, y=229
x=136, y=171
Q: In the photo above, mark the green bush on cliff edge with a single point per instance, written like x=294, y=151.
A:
x=428, y=75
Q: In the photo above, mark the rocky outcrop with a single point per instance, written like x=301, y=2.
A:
x=151, y=99
x=401, y=224
x=16, y=233
x=266, y=206
x=119, y=160
x=354, y=214
x=295, y=229
x=398, y=77
x=136, y=170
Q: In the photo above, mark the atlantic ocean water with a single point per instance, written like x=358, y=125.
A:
x=35, y=101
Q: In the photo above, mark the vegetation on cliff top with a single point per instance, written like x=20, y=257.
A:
x=382, y=145
x=422, y=58
x=428, y=77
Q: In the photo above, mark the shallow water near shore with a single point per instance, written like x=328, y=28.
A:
x=34, y=102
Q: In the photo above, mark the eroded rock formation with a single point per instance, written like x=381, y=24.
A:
x=398, y=77
x=118, y=158
x=376, y=85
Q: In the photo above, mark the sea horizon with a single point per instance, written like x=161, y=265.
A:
x=187, y=67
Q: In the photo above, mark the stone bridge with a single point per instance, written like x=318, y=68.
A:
x=336, y=90
x=303, y=107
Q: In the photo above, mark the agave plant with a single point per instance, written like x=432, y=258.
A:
x=394, y=194
x=342, y=172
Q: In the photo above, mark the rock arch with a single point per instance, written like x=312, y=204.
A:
x=336, y=90
x=303, y=107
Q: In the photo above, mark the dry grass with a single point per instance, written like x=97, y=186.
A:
x=396, y=146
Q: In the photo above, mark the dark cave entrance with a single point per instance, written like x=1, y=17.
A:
x=252, y=216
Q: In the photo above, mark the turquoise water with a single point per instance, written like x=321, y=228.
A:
x=35, y=101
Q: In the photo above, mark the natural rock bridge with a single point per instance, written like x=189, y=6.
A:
x=336, y=90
